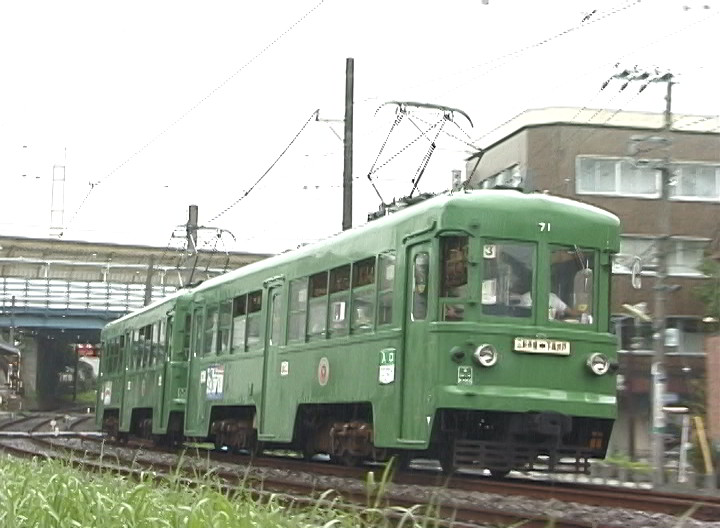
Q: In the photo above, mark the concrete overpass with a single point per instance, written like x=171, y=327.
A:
x=56, y=293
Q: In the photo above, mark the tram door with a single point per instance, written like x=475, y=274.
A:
x=273, y=335
x=415, y=373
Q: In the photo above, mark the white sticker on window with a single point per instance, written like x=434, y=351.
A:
x=107, y=393
x=489, y=291
x=202, y=376
x=284, y=368
x=489, y=251
x=338, y=311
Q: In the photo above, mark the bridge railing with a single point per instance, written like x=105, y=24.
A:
x=76, y=295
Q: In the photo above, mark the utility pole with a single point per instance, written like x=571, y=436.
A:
x=348, y=144
x=657, y=371
x=191, y=231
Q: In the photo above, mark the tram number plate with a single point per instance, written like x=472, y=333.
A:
x=542, y=346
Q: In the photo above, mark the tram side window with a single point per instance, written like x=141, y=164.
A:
x=507, y=278
x=148, y=348
x=157, y=351
x=276, y=318
x=161, y=343
x=197, y=331
x=421, y=271
x=137, y=351
x=386, y=280
x=167, y=337
x=239, y=322
x=106, y=358
x=298, y=309
x=184, y=355
x=254, y=320
x=339, y=299
x=224, y=326
x=454, y=277
x=211, y=329
x=317, y=316
x=363, y=295
x=121, y=354
x=571, y=284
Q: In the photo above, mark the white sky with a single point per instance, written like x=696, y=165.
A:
x=168, y=103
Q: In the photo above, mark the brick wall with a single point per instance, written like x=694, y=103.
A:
x=712, y=348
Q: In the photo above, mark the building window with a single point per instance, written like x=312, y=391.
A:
x=615, y=177
x=695, y=181
x=509, y=177
x=642, y=247
x=685, y=255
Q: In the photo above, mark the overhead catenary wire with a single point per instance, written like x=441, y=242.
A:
x=257, y=182
x=564, y=81
x=501, y=60
x=191, y=109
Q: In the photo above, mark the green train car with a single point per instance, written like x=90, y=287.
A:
x=471, y=327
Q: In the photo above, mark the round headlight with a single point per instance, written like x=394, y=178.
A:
x=598, y=363
x=485, y=355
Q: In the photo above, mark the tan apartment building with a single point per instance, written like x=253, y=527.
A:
x=584, y=154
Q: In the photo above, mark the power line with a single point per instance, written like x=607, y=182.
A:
x=504, y=59
x=312, y=117
x=191, y=109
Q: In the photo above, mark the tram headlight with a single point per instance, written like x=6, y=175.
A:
x=485, y=355
x=598, y=363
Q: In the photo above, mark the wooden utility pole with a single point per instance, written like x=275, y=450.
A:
x=658, y=375
x=348, y=144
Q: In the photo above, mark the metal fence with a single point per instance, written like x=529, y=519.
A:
x=57, y=294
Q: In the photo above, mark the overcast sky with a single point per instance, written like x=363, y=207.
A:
x=153, y=105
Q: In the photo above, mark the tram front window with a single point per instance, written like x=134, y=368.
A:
x=571, y=284
x=507, y=276
x=454, y=277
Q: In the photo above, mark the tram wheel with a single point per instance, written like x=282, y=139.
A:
x=346, y=459
x=402, y=461
x=447, y=462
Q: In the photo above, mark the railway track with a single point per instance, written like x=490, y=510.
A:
x=449, y=500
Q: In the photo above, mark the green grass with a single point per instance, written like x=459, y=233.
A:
x=48, y=493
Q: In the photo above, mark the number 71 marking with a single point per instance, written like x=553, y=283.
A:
x=544, y=226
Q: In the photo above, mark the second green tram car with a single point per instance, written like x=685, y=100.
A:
x=471, y=327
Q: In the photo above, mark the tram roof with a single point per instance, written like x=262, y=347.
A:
x=494, y=201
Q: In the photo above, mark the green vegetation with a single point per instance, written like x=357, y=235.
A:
x=624, y=462
x=48, y=493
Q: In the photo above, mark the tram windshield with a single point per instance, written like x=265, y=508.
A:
x=504, y=281
x=507, y=278
x=571, y=284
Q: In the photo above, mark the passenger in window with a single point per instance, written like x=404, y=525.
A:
x=456, y=312
x=557, y=308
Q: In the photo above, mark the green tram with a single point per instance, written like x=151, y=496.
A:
x=470, y=327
